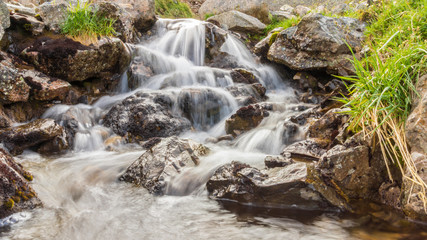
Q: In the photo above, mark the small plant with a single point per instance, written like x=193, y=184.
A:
x=84, y=24
x=286, y=23
x=173, y=9
x=208, y=15
x=9, y=204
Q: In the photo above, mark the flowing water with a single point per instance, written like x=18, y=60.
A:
x=84, y=200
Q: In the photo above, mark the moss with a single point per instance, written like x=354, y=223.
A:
x=273, y=38
x=173, y=9
x=208, y=15
x=16, y=199
x=28, y=176
x=9, y=203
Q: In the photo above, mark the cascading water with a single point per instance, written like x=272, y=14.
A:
x=82, y=197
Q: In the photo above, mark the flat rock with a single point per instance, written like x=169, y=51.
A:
x=255, y=8
x=239, y=22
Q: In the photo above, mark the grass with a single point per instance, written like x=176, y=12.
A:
x=85, y=25
x=173, y=9
x=381, y=91
x=286, y=23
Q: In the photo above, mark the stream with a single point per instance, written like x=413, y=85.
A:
x=83, y=198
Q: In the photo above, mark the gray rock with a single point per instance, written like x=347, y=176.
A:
x=16, y=193
x=239, y=22
x=12, y=85
x=287, y=8
x=142, y=12
x=319, y=43
x=53, y=14
x=301, y=10
x=255, y=8
x=281, y=15
x=29, y=23
x=262, y=47
x=156, y=168
x=4, y=18
x=45, y=88
x=340, y=9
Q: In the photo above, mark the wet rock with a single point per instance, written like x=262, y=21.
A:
x=240, y=75
x=301, y=10
x=12, y=85
x=53, y=14
x=276, y=187
x=316, y=43
x=17, y=139
x=5, y=121
x=4, y=18
x=16, y=193
x=247, y=94
x=29, y=23
x=245, y=119
x=239, y=22
x=304, y=151
x=255, y=8
x=336, y=85
x=72, y=61
x=45, y=88
x=139, y=73
x=291, y=132
x=146, y=115
x=277, y=161
x=327, y=128
x=416, y=135
x=162, y=162
x=390, y=194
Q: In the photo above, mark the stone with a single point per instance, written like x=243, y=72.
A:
x=142, y=12
x=4, y=18
x=281, y=15
x=301, y=10
x=45, y=88
x=239, y=22
x=390, y=194
x=240, y=75
x=16, y=193
x=53, y=14
x=157, y=167
x=246, y=94
x=17, y=139
x=328, y=126
x=29, y=23
x=72, y=61
x=255, y=8
x=262, y=47
x=276, y=187
x=316, y=43
x=287, y=8
x=277, y=161
x=139, y=73
x=245, y=119
x=304, y=151
x=5, y=121
x=305, y=80
x=146, y=115
x=12, y=85
x=340, y=9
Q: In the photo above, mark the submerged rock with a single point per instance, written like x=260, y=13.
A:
x=17, y=139
x=245, y=119
x=239, y=22
x=72, y=61
x=162, y=161
x=277, y=187
x=145, y=115
x=317, y=43
x=16, y=193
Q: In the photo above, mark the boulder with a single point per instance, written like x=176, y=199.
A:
x=12, y=85
x=276, y=187
x=301, y=10
x=240, y=75
x=53, y=14
x=142, y=13
x=45, y=88
x=239, y=22
x=246, y=94
x=72, y=61
x=416, y=135
x=327, y=128
x=145, y=115
x=340, y=9
x=17, y=139
x=4, y=18
x=16, y=193
x=304, y=151
x=262, y=47
x=319, y=43
x=29, y=23
x=245, y=119
x=281, y=15
x=164, y=160
x=255, y=8
x=287, y=8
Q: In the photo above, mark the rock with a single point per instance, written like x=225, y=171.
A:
x=29, y=23
x=247, y=94
x=316, y=43
x=71, y=61
x=276, y=187
x=239, y=22
x=45, y=88
x=245, y=119
x=142, y=12
x=12, y=85
x=146, y=115
x=53, y=14
x=305, y=80
x=277, y=161
x=301, y=10
x=139, y=73
x=4, y=18
x=255, y=8
x=304, y=151
x=240, y=75
x=328, y=126
x=390, y=195
x=287, y=8
x=5, y=121
x=281, y=15
x=262, y=47
x=17, y=139
x=416, y=135
x=16, y=193
x=340, y=9
x=157, y=167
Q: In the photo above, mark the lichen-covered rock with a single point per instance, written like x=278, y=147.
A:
x=45, y=88
x=142, y=12
x=17, y=139
x=53, y=14
x=15, y=192
x=245, y=119
x=255, y=8
x=72, y=61
x=145, y=115
x=162, y=161
x=262, y=47
x=319, y=43
x=239, y=22
x=277, y=187
x=4, y=18
x=12, y=85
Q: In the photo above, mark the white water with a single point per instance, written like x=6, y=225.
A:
x=83, y=199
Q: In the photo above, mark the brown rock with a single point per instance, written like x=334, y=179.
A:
x=46, y=88
x=12, y=85
x=245, y=119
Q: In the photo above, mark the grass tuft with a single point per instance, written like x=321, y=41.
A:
x=173, y=9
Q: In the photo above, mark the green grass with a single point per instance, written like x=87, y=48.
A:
x=173, y=9
x=208, y=15
x=84, y=23
x=382, y=90
x=286, y=23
